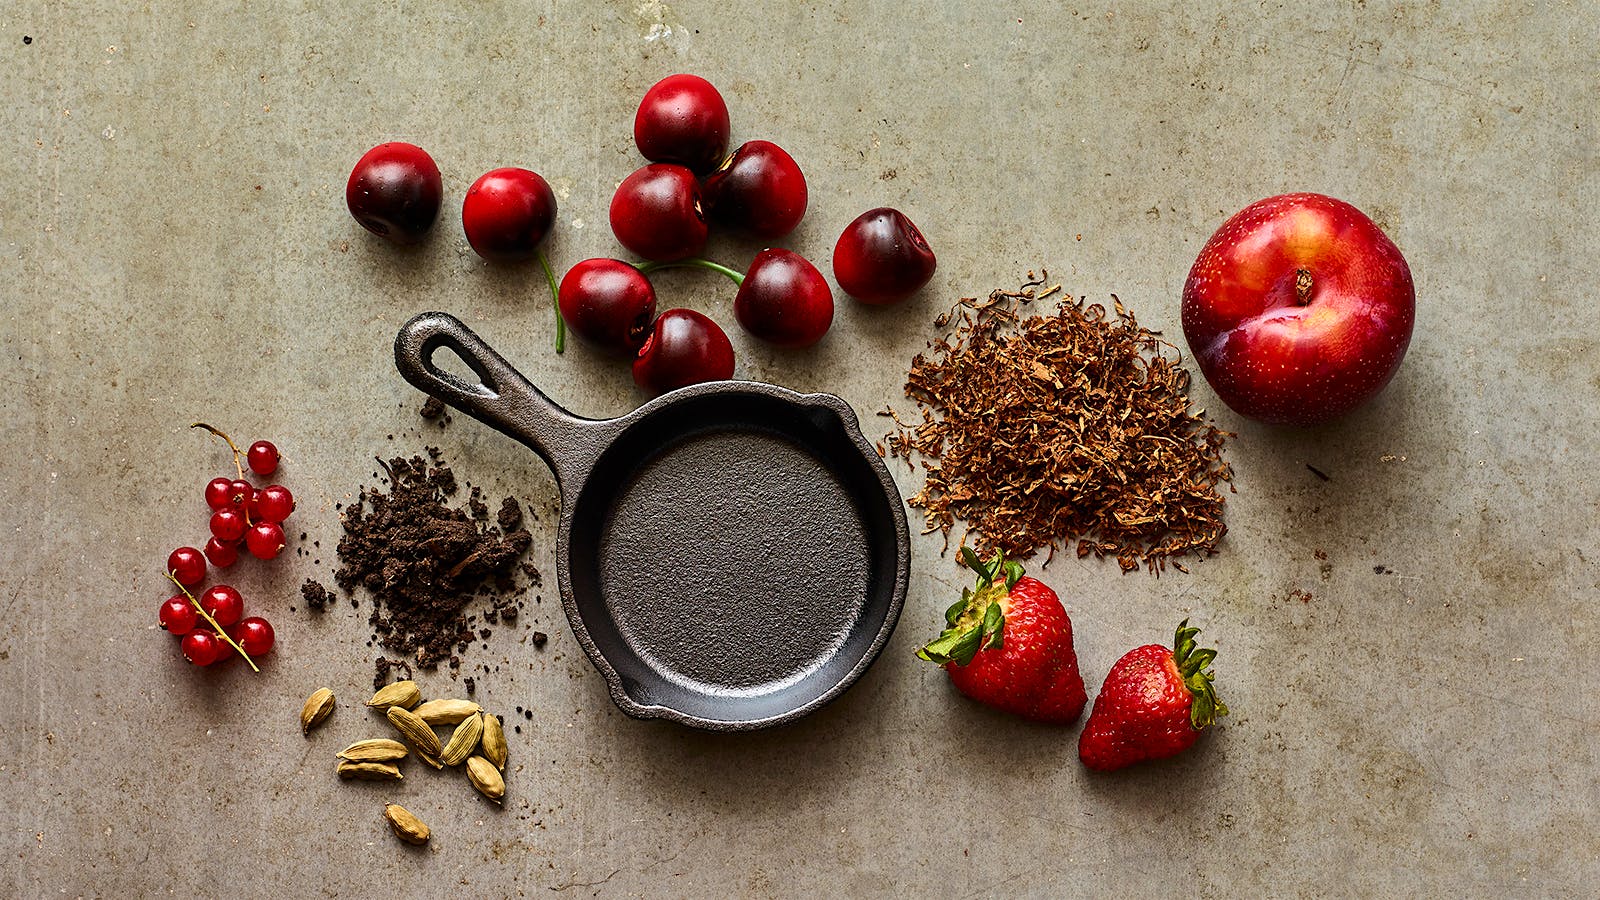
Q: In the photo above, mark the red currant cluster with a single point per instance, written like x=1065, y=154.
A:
x=241, y=515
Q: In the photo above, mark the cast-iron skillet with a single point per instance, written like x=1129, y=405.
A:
x=731, y=555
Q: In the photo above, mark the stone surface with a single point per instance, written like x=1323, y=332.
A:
x=1407, y=647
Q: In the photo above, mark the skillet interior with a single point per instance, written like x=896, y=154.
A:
x=734, y=556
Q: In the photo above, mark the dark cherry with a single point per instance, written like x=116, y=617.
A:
x=394, y=192
x=507, y=213
x=657, y=214
x=882, y=258
x=759, y=190
x=608, y=303
x=784, y=300
x=682, y=119
x=684, y=348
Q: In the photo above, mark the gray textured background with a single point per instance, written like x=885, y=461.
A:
x=174, y=246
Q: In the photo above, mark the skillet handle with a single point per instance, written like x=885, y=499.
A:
x=503, y=399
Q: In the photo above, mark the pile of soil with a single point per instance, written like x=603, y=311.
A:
x=425, y=562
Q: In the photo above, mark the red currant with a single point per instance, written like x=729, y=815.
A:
x=217, y=492
x=228, y=525
x=264, y=540
x=254, y=635
x=274, y=503
x=240, y=494
x=187, y=565
x=222, y=553
x=177, y=616
x=262, y=457
x=223, y=603
x=202, y=647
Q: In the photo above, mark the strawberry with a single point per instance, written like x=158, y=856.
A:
x=1154, y=704
x=1009, y=645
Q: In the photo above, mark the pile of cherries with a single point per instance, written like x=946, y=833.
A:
x=663, y=212
x=212, y=626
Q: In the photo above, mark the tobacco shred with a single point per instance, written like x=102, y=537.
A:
x=1037, y=432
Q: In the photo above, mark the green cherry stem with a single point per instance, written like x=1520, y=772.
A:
x=202, y=611
x=693, y=262
x=555, y=303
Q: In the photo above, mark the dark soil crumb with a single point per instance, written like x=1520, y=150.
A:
x=509, y=518
x=539, y=639
x=425, y=562
x=432, y=409
x=471, y=684
x=315, y=595
x=384, y=668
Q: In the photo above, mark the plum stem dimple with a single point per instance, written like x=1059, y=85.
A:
x=646, y=268
x=1302, y=287
x=555, y=303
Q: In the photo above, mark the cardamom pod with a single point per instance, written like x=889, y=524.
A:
x=370, y=771
x=319, y=706
x=415, y=731
x=494, y=741
x=462, y=741
x=374, y=750
x=486, y=778
x=404, y=694
x=405, y=826
x=446, y=712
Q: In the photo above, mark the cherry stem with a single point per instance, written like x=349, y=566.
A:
x=1302, y=286
x=202, y=611
x=555, y=303
x=231, y=445
x=645, y=268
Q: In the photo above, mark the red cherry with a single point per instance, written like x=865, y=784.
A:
x=177, y=616
x=784, y=300
x=656, y=213
x=274, y=503
x=682, y=119
x=202, y=647
x=217, y=492
x=222, y=555
x=262, y=457
x=882, y=258
x=394, y=192
x=684, y=348
x=254, y=634
x=187, y=565
x=223, y=603
x=507, y=213
x=608, y=303
x=228, y=525
x=759, y=190
x=264, y=540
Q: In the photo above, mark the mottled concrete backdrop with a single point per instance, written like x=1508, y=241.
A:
x=1408, y=648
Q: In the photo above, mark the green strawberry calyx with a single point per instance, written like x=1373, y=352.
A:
x=1204, y=708
x=976, y=621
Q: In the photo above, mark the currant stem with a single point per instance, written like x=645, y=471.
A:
x=692, y=262
x=555, y=303
x=231, y=445
x=207, y=616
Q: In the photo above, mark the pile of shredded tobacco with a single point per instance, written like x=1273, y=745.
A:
x=1040, y=431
